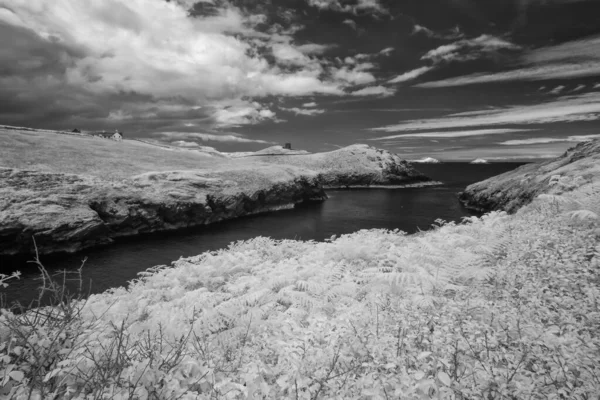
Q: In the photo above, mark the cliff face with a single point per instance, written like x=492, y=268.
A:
x=358, y=165
x=67, y=213
x=578, y=166
x=72, y=192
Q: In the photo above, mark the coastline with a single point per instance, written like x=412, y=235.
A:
x=70, y=207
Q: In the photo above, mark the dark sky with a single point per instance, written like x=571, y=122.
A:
x=451, y=79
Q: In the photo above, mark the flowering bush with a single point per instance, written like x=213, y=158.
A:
x=498, y=307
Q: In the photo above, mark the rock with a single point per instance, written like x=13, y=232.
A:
x=358, y=165
x=67, y=213
x=510, y=191
x=112, y=192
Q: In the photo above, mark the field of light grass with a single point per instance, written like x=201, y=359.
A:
x=76, y=154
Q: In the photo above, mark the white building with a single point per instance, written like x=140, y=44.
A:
x=117, y=136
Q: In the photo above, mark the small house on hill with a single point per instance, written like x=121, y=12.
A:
x=118, y=136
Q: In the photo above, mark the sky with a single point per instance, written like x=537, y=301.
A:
x=449, y=79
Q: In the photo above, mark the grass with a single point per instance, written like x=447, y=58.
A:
x=104, y=158
x=500, y=307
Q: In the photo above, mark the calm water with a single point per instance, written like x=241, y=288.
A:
x=408, y=209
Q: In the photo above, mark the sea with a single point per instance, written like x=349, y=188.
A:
x=346, y=211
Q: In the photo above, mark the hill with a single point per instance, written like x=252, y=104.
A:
x=577, y=167
x=75, y=191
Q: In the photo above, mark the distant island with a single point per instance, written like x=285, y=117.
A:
x=479, y=161
x=426, y=160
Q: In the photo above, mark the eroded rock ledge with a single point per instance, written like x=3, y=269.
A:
x=354, y=166
x=67, y=213
x=514, y=189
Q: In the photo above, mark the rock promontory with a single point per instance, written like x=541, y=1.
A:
x=353, y=166
x=73, y=192
x=578, y=166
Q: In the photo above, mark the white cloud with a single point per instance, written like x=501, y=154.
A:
x=208, y=137
x=410, y=75
x=453, y=134
x=287, y=54
x=542, y=140
x=305, y=111
x=237, y=113
x=311, y=104
x=575, y=59
x=469, y=49
x=452, y=34
x=578, y=88
x=358, y=6
x=387, y=51
x=557, y=89
x=585, y=107
x=374, y=91
x=351, y=23
x=154, y=49
x=355, y=76
x=183, y=143
x=314, y=48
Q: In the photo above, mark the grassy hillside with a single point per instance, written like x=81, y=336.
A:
x=104, y=158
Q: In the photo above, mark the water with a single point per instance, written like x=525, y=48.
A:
x=348, y=211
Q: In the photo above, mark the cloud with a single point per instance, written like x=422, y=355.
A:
x=351, y=23
x=578, y=88
x=242, y=114
x=410, y=75
x=287, y=54
x=574, y=59
x=585, y=107
x=183, y=143
x=358, y=6
x=542, y=140
x=207, y=137
x=314, y=48
x=557, y=89
x=469, y=49
x=55, y=66
x=374, y=91
x=305, y=111
x=453, y=134
x=452, y=34
x=355, y=75
x=387, y=51
x=311, y=104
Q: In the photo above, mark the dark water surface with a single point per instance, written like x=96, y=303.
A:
x=346, y=211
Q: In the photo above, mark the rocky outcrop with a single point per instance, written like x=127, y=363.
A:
x=510, y=191
x=67, y=213
x=354, y=166
x=103, y=190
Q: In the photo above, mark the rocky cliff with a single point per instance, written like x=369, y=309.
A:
x=578, y=166
x=67, y=213
x=358, y=165
x=72, y=192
